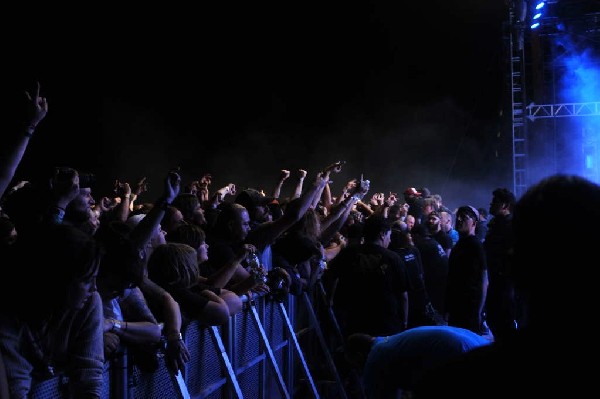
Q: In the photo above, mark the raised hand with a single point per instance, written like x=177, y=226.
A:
x=231, y=189
x=351, y=185
x=227, y=190
x=172, y=186
x=363, y=186
x=206, y=179
x=377, y=199
x=106, y=203
x=284, y=174
x=122, y=189
x=334, y=167
x=37, y=108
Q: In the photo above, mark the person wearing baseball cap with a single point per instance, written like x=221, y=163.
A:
x=467, y=275
x=256, y=203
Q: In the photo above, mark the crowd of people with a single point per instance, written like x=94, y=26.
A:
x=430, y=301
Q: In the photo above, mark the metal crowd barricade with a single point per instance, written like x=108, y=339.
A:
x=256, y=355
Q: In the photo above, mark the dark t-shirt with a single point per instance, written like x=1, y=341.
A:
x=417, y=296
x=435, y=268
x=295, y=248
x=191, y=302
x=443, y=239
x=465, y=271
x=371, y=280
x=498, y=245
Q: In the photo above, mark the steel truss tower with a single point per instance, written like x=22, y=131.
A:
x=534, y=68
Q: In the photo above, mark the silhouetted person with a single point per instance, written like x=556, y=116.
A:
x=392, y=365
x=51, y=313
x=548, y=355
x=467, y=275
x=501, y=303
x=371, y=293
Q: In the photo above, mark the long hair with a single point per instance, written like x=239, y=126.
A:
x=189, y=234
x=173, y=265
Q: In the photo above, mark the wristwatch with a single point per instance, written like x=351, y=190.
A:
x=116, y=325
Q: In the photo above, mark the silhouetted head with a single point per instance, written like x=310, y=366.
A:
x=548, y=268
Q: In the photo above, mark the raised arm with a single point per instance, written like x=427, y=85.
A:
x=219, y=196
x=326, y=198
x=295, y=209
x=334, y=222
x=13, y=148
x=140, y=187
x=300, y=183
x=142, y=233
x=334, y=167
x=203, y=188
x=283, y=176
x=122, y=209
x=336, y=219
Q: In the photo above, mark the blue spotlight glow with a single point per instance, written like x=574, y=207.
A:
x=540, y=5
x=589, y=162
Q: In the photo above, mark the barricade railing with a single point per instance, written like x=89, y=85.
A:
x=255, y=355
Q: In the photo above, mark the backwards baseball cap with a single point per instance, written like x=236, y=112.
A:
x=251, y=198
x=86, y=180
x=412, y=191
x=469, y=210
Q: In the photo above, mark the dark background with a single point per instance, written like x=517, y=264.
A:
x=407, y=94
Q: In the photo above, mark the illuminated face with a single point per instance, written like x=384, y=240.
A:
x=176, y=221
x=387, y=238
x=262, y=213
x=241, y=226
x=445, y=221
x=433, y=222
x=410, y=222
x=78, y=209
x=465, y=223
x=158, y=238
x=202, y=252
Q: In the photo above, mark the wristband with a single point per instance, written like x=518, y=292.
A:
x=176, y=336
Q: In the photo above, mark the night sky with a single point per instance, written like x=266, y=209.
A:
x=407, y=94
